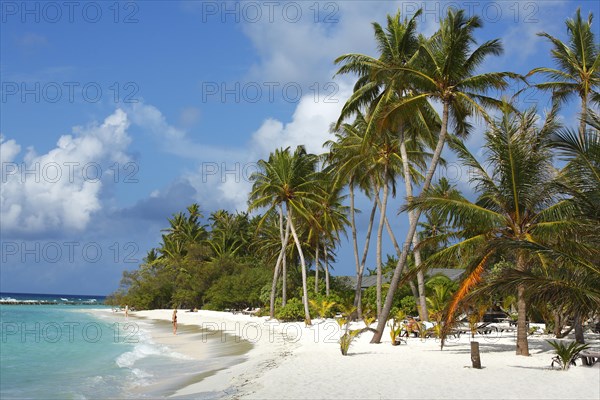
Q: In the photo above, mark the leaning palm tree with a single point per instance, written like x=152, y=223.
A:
x=287, y=179
x=578, y=66
x=446, y=71
x=519, y=212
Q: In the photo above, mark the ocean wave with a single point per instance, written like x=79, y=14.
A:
x=145, y=348
x=140, y=351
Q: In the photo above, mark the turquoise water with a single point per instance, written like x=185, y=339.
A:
x=68, y=352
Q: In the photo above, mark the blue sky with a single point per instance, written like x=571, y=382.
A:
x=116, y=115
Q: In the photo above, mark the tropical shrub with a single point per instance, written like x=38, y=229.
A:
x=292, y=311
x=323, y=307
x=408, y=304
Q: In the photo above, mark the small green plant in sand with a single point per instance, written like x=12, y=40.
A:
x=350, y=334
x=347, y=338
x=396, y=326
x=533, y=330
x=566, y=354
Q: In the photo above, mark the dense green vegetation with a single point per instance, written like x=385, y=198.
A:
x=526, y=234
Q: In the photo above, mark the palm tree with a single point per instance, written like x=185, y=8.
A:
x=446, y=71
x=352, y=163
x=288, y=180
x=332, y=217
x=580, y=178
x=578, y=66
x=229, y=233
x=383, y=82
x=183, y=231
x=518, y=213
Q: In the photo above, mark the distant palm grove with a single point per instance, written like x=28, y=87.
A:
x=526, y=236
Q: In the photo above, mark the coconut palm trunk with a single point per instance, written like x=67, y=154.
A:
x=412, y=229
x=522, y=344
x=583, y=116
x=357, y=295
x=277, y=267
x=421, y=299
x=283, y=261
x=326, y=271
x=317, y=267
x=307, y=320
x=413, y=287
x=382, y=218
x=361, y=268
x=284, y=280
x=578, y=324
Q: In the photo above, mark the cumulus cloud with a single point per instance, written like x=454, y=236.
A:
x=302, y=49
x=309, y=126
x=59, y=190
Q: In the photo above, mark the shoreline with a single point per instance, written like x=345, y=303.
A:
x=289, y=360
x=268, y=349
x=191, y=343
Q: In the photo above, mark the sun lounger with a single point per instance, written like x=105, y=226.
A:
x=589, y=358
x=482, y=329
x=249, y=311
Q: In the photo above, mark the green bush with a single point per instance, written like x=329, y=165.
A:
x=293, y=311
x=408, y=304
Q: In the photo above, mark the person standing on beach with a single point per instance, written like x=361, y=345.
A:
x=174, y=319
x=126, y=311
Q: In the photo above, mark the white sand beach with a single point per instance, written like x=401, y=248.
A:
x=291, y=361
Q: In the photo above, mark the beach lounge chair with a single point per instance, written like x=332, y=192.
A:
x=254, y=312
x=251, y=311
x=589, y=358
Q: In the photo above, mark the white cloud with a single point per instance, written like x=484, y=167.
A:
x=60, y=190
x=189, y=116
x=309, y=125
x=303, y=51
x=176, y=140
x=8, y=150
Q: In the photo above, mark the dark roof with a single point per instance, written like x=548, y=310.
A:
x=452, y=273
x=371, y=280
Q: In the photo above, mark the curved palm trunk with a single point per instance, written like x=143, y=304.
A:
x=421, y=299
x=382, y=218
x=385, y=312
x=358, y=292
x=277, y=266
x=284, y=269
x=326, y=271
x=522, y=344
x=307, y=320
